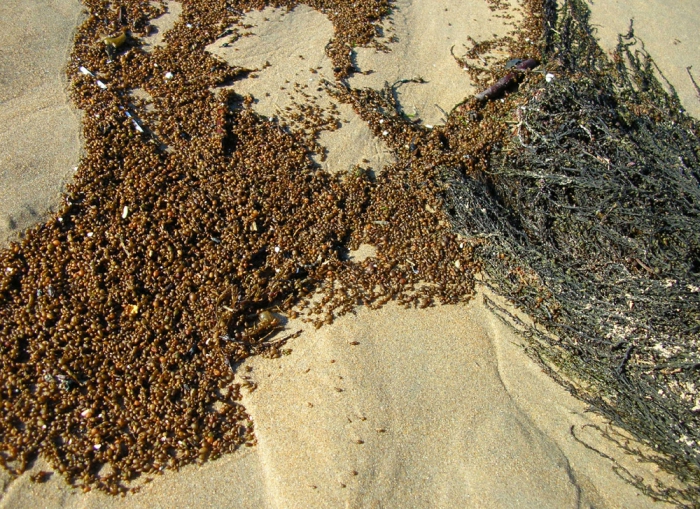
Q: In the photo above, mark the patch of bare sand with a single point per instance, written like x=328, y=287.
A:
x=290, y=71
x=39, y=131
x=161, y=25
x=669, y=31
x=424, y=408
x=425, y=32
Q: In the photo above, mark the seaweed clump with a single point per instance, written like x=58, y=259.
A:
x=588, y=219
x=190, y=229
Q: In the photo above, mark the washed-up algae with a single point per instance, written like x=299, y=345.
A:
x=588, y=219
x=191, y=229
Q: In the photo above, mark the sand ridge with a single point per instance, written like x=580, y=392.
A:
x=425, y=408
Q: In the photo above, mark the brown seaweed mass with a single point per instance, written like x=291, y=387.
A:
x=123, y=319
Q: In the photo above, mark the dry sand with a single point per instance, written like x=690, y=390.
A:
x=290, y=66
x=449, y=410
x=431, y=408
x=425, y=32
x=669, y=30
x=39, y=141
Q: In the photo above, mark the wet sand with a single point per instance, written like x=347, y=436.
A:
x=438, y=407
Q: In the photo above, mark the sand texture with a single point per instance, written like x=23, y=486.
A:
x=431, y=408
x=669, y=31
x=39, y=131
x=290, y=73
x=425, y=53
x=395, y=408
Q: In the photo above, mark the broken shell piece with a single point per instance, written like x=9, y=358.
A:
x=86, y=71
x=116, y=41
x=112, y=44
x=549, y=77
x=136, y=124
x=125, y=212
x=168, y=75
x=101, y=85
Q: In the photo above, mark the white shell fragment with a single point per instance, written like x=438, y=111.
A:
x=125, y=212
x=133, y=120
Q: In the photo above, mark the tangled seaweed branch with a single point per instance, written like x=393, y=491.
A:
x=589, y=220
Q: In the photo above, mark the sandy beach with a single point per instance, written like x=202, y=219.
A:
x=670, y=38
x=435, y=407
x=465, y=421
x=40, y=133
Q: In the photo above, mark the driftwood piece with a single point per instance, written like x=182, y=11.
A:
x=501, y=85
